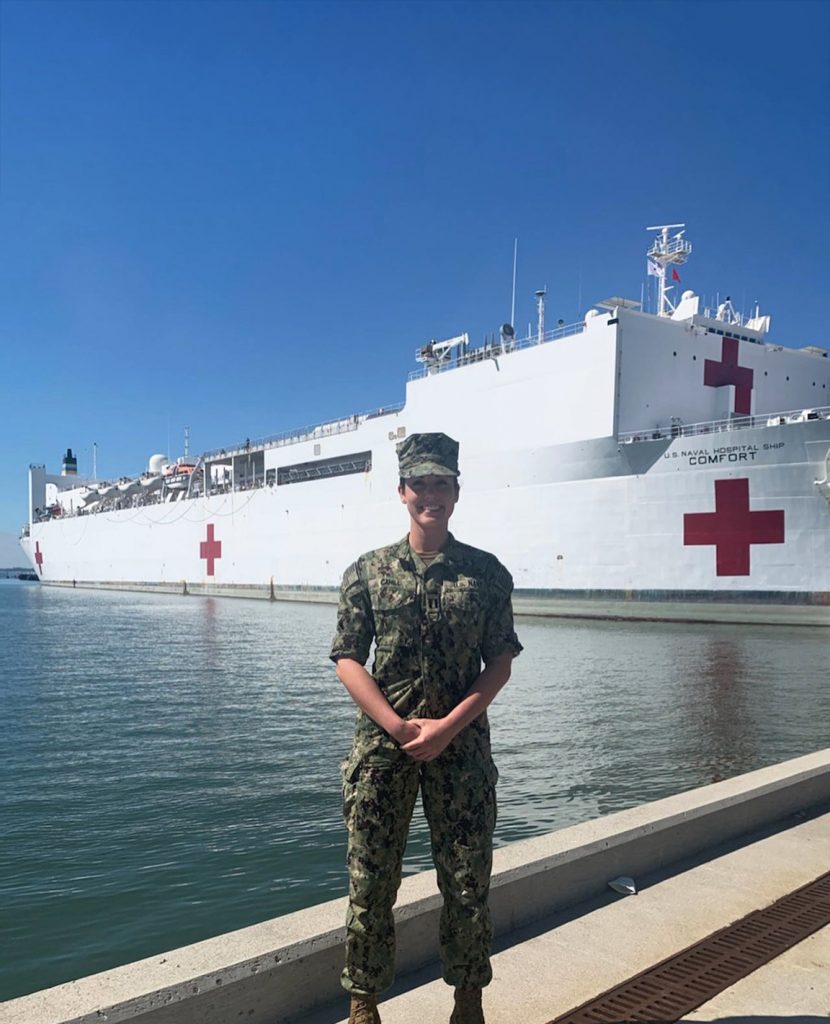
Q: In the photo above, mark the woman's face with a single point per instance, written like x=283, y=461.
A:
x=430, y=500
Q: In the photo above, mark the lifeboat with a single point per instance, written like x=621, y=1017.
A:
x=177, y=476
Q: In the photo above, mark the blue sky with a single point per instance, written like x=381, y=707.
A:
x=244, y=217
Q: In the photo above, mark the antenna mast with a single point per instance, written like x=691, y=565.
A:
x=513, y=303
x=186, y=442
x=666, y=252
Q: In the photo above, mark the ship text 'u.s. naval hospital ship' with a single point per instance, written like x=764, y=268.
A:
x=671, y=465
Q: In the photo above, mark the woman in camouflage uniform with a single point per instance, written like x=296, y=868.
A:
x=437, y=610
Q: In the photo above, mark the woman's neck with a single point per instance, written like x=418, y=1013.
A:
x=424, y=541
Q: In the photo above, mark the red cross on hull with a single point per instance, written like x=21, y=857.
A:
x=732, y=528
x=39, y=557
x=210, y=549
x=727, y=371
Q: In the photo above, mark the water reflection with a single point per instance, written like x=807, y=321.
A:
x=602, y=717
x=725, y=742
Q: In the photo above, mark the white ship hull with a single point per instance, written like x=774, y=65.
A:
x=580, y=471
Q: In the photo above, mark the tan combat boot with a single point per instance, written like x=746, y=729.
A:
x=364, y=1010
x=467, y=1007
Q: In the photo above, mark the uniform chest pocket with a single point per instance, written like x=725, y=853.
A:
x=396, y=612
x=387, y=598
x=463, y=600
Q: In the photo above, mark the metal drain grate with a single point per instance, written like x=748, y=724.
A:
x=662, y=994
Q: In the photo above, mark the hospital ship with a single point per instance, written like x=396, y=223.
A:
x=670, y=465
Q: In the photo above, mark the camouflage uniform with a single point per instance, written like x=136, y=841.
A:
x=433, y=626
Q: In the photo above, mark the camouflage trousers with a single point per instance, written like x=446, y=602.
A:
x=459, y=799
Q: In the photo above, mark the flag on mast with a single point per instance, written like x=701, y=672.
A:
x=653, y=268
x=674, y=275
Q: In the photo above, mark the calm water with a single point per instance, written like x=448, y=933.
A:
x=170, y=765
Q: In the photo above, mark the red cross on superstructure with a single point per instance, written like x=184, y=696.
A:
x=39, y=557
x=210, y=549
x=732, y=528
x=727, y=371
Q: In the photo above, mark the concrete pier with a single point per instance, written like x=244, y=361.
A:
x=702, y=860
x=566, y=959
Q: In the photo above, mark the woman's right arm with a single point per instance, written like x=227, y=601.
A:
x=366, y=693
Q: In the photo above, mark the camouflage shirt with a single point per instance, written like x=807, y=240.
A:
x=433, y=626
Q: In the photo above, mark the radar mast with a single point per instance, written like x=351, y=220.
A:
x=666, y=251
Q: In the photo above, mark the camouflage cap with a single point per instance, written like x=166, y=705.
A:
x=428, y=454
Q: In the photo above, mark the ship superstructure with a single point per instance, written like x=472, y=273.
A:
x=668, y=465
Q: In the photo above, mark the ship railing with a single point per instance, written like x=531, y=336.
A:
x=734, y=319
x=770, y=419
x=328, y=428
x=671, y=247
x=496, y=349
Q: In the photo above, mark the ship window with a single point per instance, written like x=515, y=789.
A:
x=321, y=469
x=270, y=476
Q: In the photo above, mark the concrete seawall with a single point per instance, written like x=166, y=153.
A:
x=275, y=971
